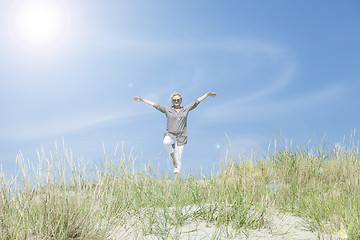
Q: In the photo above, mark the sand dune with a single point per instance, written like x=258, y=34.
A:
x=281, y=226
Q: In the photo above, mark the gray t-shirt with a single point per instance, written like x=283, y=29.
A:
x=177, y=121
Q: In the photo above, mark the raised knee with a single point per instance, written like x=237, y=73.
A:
x=167, y=140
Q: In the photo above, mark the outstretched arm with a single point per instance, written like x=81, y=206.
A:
x=212, y=94
x=140, y=99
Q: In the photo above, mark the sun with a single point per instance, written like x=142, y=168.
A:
x=39, y=25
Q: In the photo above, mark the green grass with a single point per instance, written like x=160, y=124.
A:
x=66, y=198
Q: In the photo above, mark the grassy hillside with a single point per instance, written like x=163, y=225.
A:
x=60, y=197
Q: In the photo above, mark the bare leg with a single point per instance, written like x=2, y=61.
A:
x=174, y=159
x=176, y=176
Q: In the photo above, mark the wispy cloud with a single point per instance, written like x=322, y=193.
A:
x=245, y=110
x=59, y=125
x=135, y=45
x=255, y=53
x=254, y=49
x=278, y=83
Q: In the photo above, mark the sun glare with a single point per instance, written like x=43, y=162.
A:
x=39, y=25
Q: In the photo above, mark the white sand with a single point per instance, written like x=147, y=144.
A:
x=282, y=226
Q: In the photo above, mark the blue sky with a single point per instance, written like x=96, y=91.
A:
x=277, y=66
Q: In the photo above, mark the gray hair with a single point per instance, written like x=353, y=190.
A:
x=175, y=94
